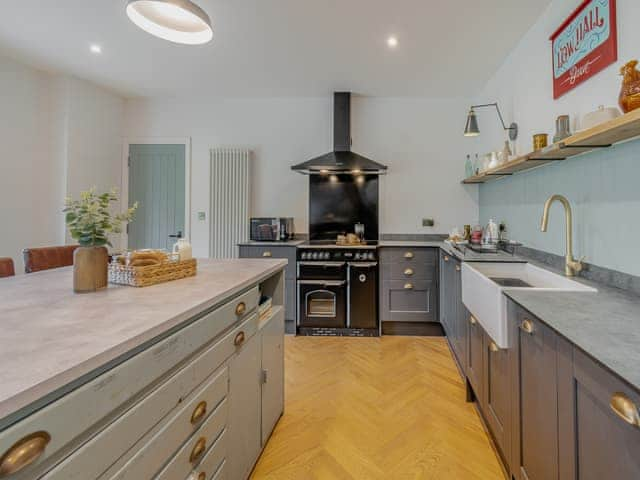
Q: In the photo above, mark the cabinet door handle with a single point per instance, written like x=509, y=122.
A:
x=408, y=286
x=527, y=326
x=408, y=272
x=239, y=340
x=267, y=254
x=241, y=308
x=23, y=453
x=446, y=258
x=458, y=268
x=472, y=320
x=494, y=347
x=199, y=412
x=408, y=255
x=265, y=374
x=198, y=450
x=625, y=409
x=202, y=476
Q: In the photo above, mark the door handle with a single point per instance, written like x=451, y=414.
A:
x=176, y=235
x=624, y=408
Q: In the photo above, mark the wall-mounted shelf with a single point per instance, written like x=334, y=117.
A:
x=604, y=135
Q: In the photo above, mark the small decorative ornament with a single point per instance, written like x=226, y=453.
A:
x=563, y=128
x=630, y=92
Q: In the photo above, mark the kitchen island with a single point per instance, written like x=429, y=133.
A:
x=156, y=382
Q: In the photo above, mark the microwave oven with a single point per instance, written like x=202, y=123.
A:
x=271, y=229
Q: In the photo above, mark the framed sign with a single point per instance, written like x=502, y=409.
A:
x=585, y=44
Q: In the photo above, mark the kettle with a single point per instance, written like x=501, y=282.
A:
x=491, y=232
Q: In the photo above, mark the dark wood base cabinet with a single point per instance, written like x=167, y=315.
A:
x=553, y=412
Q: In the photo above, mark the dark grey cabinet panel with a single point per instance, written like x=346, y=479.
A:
x=408, y=301
x=408, y=284
x=536, y=457
x=453, y=314
x=446, y=305
x=475, y=361
x=595, y=443
x=272, y=376
x=461, y=315
x=496, y=394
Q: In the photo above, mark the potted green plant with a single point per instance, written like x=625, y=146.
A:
x=90, y=222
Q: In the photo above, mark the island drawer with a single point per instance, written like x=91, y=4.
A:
x=407, y=257
x=66, y=421
x=209, y=441
x=213, y=465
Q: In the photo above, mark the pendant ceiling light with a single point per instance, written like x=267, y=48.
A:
x=179, y=21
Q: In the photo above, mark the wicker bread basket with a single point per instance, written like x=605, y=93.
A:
x=151, y=274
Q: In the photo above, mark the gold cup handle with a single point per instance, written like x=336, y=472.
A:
x=23, y=453
x=199, y=412
x=198, y=450
x=472, y=320
x=267, y=254
x=408, y=286
x=239, y=340
x=241, y=308
x=408, y=272
x=458, y=268
x=446, y=258
x=623, y=407
x=408, y=255
x=494, y=347
x=527, y=326
x=202, y=476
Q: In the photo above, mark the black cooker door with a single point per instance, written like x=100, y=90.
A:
x=322, y=304
x=363, y=295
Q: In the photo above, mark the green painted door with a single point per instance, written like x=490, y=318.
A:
x=156, y=182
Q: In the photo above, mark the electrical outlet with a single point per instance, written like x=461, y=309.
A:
x=428, y=222
x=202, y=216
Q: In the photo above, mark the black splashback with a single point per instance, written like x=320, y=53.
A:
x=338, y=201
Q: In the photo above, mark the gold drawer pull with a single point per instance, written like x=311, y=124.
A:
x=446, y=258
x=527, y=326
x=625, y=409
x=199, y=412
x=472, y=320
x=24, y=452
x=408, y=255
x=267, y=254
x=239, y=340
x=241, y=308
x=198, y=450
x=458, y=268
x=494, y=347
x=202, y=476
x=408, y=286
x=408, y=272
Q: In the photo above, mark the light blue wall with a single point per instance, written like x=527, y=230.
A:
x=604, y=190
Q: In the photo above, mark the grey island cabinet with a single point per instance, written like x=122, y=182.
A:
x=175, y=381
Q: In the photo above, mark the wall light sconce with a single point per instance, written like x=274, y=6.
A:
x=472, y=130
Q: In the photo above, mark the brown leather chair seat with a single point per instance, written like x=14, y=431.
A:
x=37, y=259
x=6, y=267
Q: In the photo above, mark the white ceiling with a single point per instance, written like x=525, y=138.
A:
x=278, y=47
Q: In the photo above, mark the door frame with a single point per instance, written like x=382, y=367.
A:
x=124, y=191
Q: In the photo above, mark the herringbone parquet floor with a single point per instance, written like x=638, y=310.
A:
x=375, y=408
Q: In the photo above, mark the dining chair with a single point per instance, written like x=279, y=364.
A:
x=6, y=267
x=44, y=258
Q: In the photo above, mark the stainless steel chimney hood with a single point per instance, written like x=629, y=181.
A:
x=341, y=159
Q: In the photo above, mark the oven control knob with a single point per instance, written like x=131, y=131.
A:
x=314, y=255
x=326, y=255
x=371, y=256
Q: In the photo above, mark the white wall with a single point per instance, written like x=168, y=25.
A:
x=418, y=139
x=59, y=135
x=602, y=186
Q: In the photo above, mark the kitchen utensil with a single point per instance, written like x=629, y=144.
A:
x=540, y=140
x=563, y=128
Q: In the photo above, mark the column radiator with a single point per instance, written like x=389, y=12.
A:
x=229, y=206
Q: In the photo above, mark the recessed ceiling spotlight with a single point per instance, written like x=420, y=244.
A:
x=95, y=48
x=179, y=21
x=392, y=41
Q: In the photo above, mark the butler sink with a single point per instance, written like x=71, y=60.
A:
x=484, y=283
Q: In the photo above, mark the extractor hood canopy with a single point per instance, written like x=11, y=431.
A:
x=342, y=159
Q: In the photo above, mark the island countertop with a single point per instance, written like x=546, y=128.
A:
x=52, y=337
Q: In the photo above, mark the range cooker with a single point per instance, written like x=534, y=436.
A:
x=337, y=290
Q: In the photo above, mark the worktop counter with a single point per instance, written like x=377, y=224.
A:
x=52, y=337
